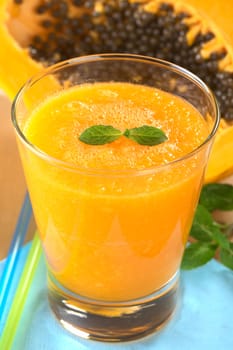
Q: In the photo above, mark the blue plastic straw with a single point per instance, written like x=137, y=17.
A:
x=14, y=251
x=17, y=307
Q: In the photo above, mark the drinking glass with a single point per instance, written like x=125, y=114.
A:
x=113, y=238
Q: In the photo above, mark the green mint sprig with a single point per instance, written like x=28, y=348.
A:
x=210, y=238
x=101, y=134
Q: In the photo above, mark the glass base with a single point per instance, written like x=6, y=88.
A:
x=114, y=321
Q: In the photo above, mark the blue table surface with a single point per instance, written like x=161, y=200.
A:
x=203, y=321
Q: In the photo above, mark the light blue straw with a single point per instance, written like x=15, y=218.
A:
x=14, y=252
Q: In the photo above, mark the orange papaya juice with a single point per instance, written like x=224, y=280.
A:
x=114, y=218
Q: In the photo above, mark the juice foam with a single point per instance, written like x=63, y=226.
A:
x=55, y=125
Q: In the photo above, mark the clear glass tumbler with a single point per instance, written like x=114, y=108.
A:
x=113, y=238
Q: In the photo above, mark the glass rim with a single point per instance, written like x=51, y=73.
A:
x=124, y=57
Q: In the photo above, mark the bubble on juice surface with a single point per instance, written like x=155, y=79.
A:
x=109, y=93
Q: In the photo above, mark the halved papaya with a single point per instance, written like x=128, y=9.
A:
x=37, y=33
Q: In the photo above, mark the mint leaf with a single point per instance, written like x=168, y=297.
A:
x=197, y=254
x=226, y=256
x=217, y=196
x=146, y=135
x=205, y=229
x=220, y=238
x=211, y=236
x=203, y=225
x=100, y=135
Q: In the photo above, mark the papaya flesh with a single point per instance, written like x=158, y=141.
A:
x=220, y=12
x=38, y=33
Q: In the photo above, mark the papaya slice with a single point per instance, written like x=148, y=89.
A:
x=38, y=33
